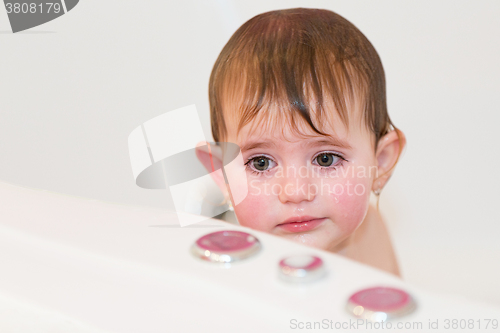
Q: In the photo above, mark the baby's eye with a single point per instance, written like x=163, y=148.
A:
x=327, y=159
x=261, y=163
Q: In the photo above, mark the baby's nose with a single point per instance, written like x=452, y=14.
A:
x=296, y=189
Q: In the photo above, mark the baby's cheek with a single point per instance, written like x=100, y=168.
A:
x=349, y=201
x=256, y=209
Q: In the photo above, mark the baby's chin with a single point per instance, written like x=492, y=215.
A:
x=310, y=239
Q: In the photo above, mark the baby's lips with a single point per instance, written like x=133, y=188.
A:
x=301, y=226
x=301, y=218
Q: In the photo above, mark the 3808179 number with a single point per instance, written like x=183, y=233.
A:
x=32, y=8
x=470, y=324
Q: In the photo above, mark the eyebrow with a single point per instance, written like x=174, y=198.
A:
x=260, y=144
x=331, y=141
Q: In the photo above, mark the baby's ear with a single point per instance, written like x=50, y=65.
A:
x=389, y=148
x=211, y=158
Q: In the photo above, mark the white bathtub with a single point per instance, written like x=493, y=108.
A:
x=75, y=265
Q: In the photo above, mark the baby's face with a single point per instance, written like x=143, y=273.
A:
x=313, y=190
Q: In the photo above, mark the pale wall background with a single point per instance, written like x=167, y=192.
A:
x=72, y=90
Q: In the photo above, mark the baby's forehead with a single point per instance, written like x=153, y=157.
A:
x=283, y=123
x=286, y=131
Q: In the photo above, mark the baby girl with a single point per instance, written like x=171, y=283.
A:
x=302, y=93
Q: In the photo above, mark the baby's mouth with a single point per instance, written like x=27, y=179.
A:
x=301, y=224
